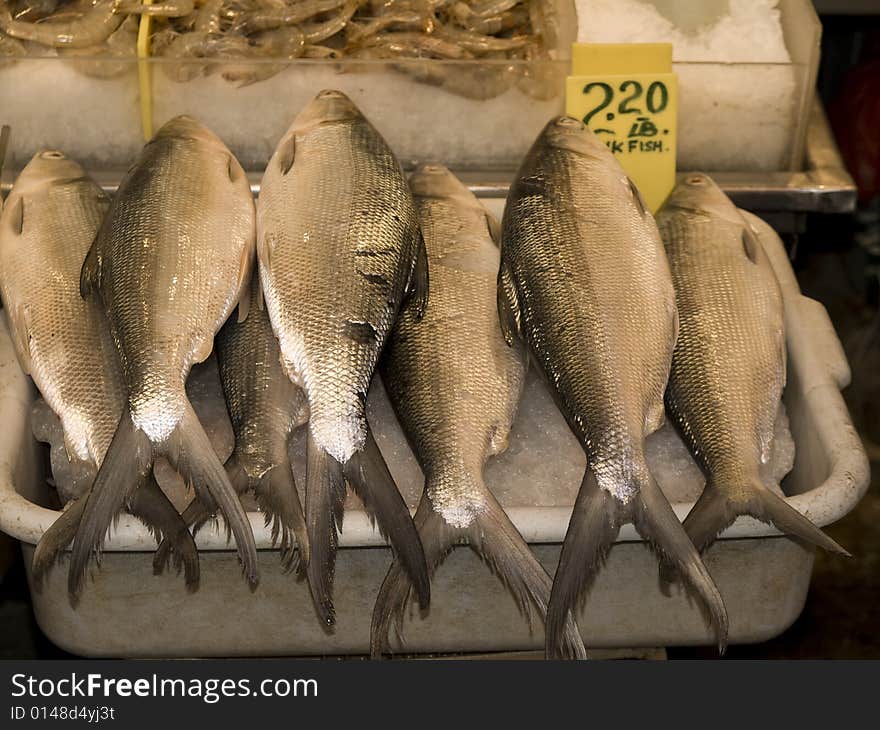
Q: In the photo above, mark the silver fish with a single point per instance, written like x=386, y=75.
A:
x=585, y=282
x=264, y=408
x=455, y=385
x=64, y=343
x=728, y=369
x=169, y=263
x=339, y=247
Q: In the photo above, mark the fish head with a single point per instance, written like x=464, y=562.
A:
x=697, y=193
x=329, y=106
x=47, y=167
x=188, y=128
x=435, y=181
x=569, y=133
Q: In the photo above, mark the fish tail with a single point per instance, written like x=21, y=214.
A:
x=198, y=464
x=125, y=466
x=437, y=538
x=278, y=499
x=495, y=539
x=56, y=540
x=196, y=515
x=594, y=525
x=325, y=501
x=656, y=521
x=714, y=512
x=150, y=505
x=368, y=475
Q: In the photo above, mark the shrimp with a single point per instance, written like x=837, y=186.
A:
x=121, y=45
x=90, y=29
x=167, y=9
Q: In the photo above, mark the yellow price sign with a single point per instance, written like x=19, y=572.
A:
x=627, y=95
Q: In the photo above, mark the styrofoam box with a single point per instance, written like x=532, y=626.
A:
x=127, y=611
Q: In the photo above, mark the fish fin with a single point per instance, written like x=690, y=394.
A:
x=713, y=513
x=90, y=274
x=279, y=501
x=198, y=464
x=13, y=215
x=368, y=475
x=286, y=154
x=592, y=529
x=656, y=521
x=655, y=417
x=494, y=226
x=750, y=243
x=125, y=466
x=417, y=290
x=203, y=346
x=235, y=170
x=56, y=540
x=637, y=197
x=325, y=501
x=21, y=336
x=499, y=544
x=508, y=306
x=245, y=277
x=264, y=251
x=258, y=290
x=150, y=505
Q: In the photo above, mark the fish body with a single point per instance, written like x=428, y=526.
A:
x=339, y=248
x=729, y=366
x=64, y=342
x=169, y=264
x=455, y=385
x=265, y=407
x=585, y=282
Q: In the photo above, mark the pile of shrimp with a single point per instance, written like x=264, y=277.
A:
x=230, y=34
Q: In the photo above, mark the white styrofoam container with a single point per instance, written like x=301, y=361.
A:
x=127, y=611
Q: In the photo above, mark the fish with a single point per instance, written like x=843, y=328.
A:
x=729, y=365
x=455, y=386
x=170, y=262
x=339, y=249
x=585, y=282
x=63, y=342
x=265, y=408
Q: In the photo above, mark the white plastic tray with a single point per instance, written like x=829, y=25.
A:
x=763, y=577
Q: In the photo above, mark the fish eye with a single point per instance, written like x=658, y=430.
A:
x=330, y=94
x=696, y=180
x=53, y=155
x=432, y=169
x=570, y=123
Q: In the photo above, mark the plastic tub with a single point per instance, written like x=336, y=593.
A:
x=52, y=102
x=126, y=611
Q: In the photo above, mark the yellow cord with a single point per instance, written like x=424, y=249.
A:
x=145, y=78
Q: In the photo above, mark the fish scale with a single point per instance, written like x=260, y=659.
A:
x=339, y=245
x=728, y=370
x=455, y=385
x=64, y=342
x=169, y=264
x=586, y=284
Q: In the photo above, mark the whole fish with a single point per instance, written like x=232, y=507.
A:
x=728, y=369
x=585, y=282
x=64, y=343
x=265, y=407
x=455, y=385
x=339, y=247
x=169, y=263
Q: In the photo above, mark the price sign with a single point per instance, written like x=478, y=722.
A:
x=627, y=94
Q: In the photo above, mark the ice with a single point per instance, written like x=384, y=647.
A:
x=542, y=467
x=737, y=86
x=49, y=104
